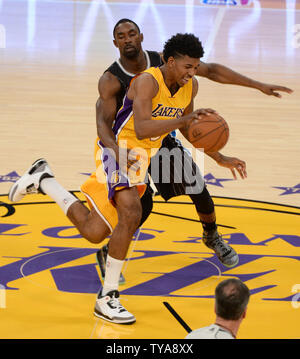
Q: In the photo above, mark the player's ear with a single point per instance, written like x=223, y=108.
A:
x=171, y=61
x=115, y=43
x=142, y=37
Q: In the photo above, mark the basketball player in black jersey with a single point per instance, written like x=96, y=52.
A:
x=112, y=87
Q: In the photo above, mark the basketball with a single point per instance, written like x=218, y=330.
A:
x=211, y=133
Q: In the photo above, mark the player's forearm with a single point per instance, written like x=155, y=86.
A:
x=104, y=121
x=156, y=128
x=217, y=156
x=106, y=136
x=225, y=75
x=105, y=132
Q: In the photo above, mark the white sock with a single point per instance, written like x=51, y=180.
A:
x=60, y=195
x=112, y=274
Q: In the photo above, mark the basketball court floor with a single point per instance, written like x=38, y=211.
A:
x=51, y=55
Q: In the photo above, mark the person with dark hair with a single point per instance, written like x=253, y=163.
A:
x=113, y=191
x=120, y=211
x=122, y=21
x=231, y=301
x=179, y=44
x=112, y=87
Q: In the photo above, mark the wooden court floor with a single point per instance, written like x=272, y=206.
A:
x=54, y=53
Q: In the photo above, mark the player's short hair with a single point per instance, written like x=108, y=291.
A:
x=232, y=297
x=125, y=20
x=183, y=44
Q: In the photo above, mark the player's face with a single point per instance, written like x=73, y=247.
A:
x=184, y=68
x=128, y=40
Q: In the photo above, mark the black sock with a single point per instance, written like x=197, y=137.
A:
x=209, y=227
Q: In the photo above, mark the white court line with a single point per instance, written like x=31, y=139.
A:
x=55, y=289
x=47, y=287
x=103, y=322
x=219, y=275
x=209, y=44
x=37, y=257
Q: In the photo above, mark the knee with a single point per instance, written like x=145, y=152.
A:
x=93, y=236
x=94, y=231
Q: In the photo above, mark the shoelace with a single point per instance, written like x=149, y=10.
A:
x=218, y=242
x=115, y=303
x=31, y=189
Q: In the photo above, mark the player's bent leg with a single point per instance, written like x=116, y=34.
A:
x=39, y=178
x=88, y=222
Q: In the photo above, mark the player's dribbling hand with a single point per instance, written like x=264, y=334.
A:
x=205, y=111
x=196, y=115
x=234, y=164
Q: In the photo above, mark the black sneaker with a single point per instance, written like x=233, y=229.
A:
x=101, y=256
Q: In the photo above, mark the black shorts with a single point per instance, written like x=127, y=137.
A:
x=176, y=174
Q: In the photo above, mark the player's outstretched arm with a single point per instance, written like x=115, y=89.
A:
x=233, y=163
x=225, y=75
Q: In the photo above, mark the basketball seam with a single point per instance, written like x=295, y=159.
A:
x=218, y=140
x=208, y=133
x=222, y=138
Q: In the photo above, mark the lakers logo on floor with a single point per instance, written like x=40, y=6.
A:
x=47, y=268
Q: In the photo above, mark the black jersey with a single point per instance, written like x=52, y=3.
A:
x=153, y=59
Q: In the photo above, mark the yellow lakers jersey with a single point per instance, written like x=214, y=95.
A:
x=164, y=107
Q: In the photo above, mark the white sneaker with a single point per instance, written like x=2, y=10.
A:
x=30, y=181
x=108, y=307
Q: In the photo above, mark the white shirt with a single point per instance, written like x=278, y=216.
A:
x=213, y=331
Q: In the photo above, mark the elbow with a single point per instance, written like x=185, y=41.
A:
x=212, y=72
x=140, y=133
x=140, y=136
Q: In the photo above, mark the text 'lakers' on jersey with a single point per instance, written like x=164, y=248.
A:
x=164, y=107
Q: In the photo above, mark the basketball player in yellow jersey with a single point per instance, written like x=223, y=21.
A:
x=151, y=109
x=152, y=101
x=159, y=101
x=114, y=197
